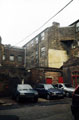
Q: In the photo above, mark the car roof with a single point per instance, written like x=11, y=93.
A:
x=24, y=85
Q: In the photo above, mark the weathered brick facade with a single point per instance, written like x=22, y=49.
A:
x=71, y=67
x=13, y=56
x=71, y=71
x=43, y=56
x=40, y=75
x=53, y=47
x=11, y=68
x=53, y=38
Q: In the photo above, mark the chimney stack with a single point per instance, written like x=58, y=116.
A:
x=56, y=24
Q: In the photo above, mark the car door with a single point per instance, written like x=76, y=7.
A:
x=41, y=90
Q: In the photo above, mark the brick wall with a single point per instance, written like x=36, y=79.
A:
x=15, y=52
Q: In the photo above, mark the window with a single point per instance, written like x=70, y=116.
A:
x=28, y=46
x=11, y=58
x=3, y=57
x=56, y=86
x=20, y=58
x=42, y=54
x=36, y=40
x=60, y=86
x=43, y=51
x=42, y=36
x=32, y=43
x=73, y=46
x=41, y=86
x=36, y=54
x=77, y=27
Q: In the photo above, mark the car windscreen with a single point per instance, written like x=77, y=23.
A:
x=68, y=85
x=48, y=86
x=24, y=87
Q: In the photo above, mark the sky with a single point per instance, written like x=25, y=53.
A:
x=20, y=18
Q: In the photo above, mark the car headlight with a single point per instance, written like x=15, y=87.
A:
x=22, y=94
x=36, y=93
x=54, y=93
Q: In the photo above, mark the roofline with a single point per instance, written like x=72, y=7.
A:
x=74, y=22
x=35, y=37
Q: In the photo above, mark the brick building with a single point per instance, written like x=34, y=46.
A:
x=42, y=57
x=71, y=67
x=53, y=47
x=13, y=56
x=50, y=48
x=71, y=71
x=12, y=69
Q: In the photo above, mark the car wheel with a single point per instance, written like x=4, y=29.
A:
x=48, y=97
x=17, y=98
x=35, y=100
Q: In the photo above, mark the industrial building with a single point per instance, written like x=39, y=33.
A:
x=51, y=56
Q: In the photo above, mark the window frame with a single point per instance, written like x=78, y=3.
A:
x=19, y=60
x=4, y=57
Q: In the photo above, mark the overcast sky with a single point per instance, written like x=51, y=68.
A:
x=19, y=18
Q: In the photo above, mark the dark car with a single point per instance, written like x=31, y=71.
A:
x=66, y=87
x=25, y=91
x=48, y=91
x=75, y=103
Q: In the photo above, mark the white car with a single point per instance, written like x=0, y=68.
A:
x=68, y=89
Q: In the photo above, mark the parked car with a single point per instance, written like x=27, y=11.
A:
x=48, y=91
x=25, y=91
x=68, y=89
x=75, y=103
